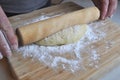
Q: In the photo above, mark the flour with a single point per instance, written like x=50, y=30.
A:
x=72, y=57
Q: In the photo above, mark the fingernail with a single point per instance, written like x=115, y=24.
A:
x=111, y=16
x=102, y=17
x=14, y=47
x=1, y=56
x=9, y=53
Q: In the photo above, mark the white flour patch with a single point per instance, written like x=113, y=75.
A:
x=72, y=57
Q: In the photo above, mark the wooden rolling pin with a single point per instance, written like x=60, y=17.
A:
x=36, y=31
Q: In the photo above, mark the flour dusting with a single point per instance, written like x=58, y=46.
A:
x=71, y=57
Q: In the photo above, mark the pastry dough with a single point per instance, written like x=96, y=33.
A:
x=39, y=30
x=66, y=36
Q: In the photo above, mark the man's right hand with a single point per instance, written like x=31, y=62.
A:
x=8, y=31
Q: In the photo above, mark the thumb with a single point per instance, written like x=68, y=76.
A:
x=8, y=30
x=4, y=47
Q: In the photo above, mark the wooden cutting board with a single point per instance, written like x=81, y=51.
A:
x=26, y=69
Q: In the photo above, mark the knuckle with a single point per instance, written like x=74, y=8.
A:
x=112, y=2
x=105, y=2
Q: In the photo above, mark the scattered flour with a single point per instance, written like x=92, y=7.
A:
x=71, y=57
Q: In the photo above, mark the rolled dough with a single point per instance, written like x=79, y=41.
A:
x=66, y=36
x=39, y=30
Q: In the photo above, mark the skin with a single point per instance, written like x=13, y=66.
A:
x=107, y=8
x=8, y=31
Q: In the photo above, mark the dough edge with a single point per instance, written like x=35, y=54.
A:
x=66, y=36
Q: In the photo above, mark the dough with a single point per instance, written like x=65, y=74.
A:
x=66, y=36
x=30, y=33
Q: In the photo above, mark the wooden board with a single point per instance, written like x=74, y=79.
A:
x=26, y=69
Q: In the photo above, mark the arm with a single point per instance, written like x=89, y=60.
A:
x=5, y=27
x=107, y=7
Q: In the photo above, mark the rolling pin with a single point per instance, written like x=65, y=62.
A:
x=36, y=31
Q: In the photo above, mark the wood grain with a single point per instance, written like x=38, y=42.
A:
x=26, y=69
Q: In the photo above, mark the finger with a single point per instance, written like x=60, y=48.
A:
x=104, y=8
x=1, y=56
x=4, y=47
x=112, y=7
x=8, y=30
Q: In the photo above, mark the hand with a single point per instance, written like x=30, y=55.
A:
x=107, y=7
x=6, y=28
